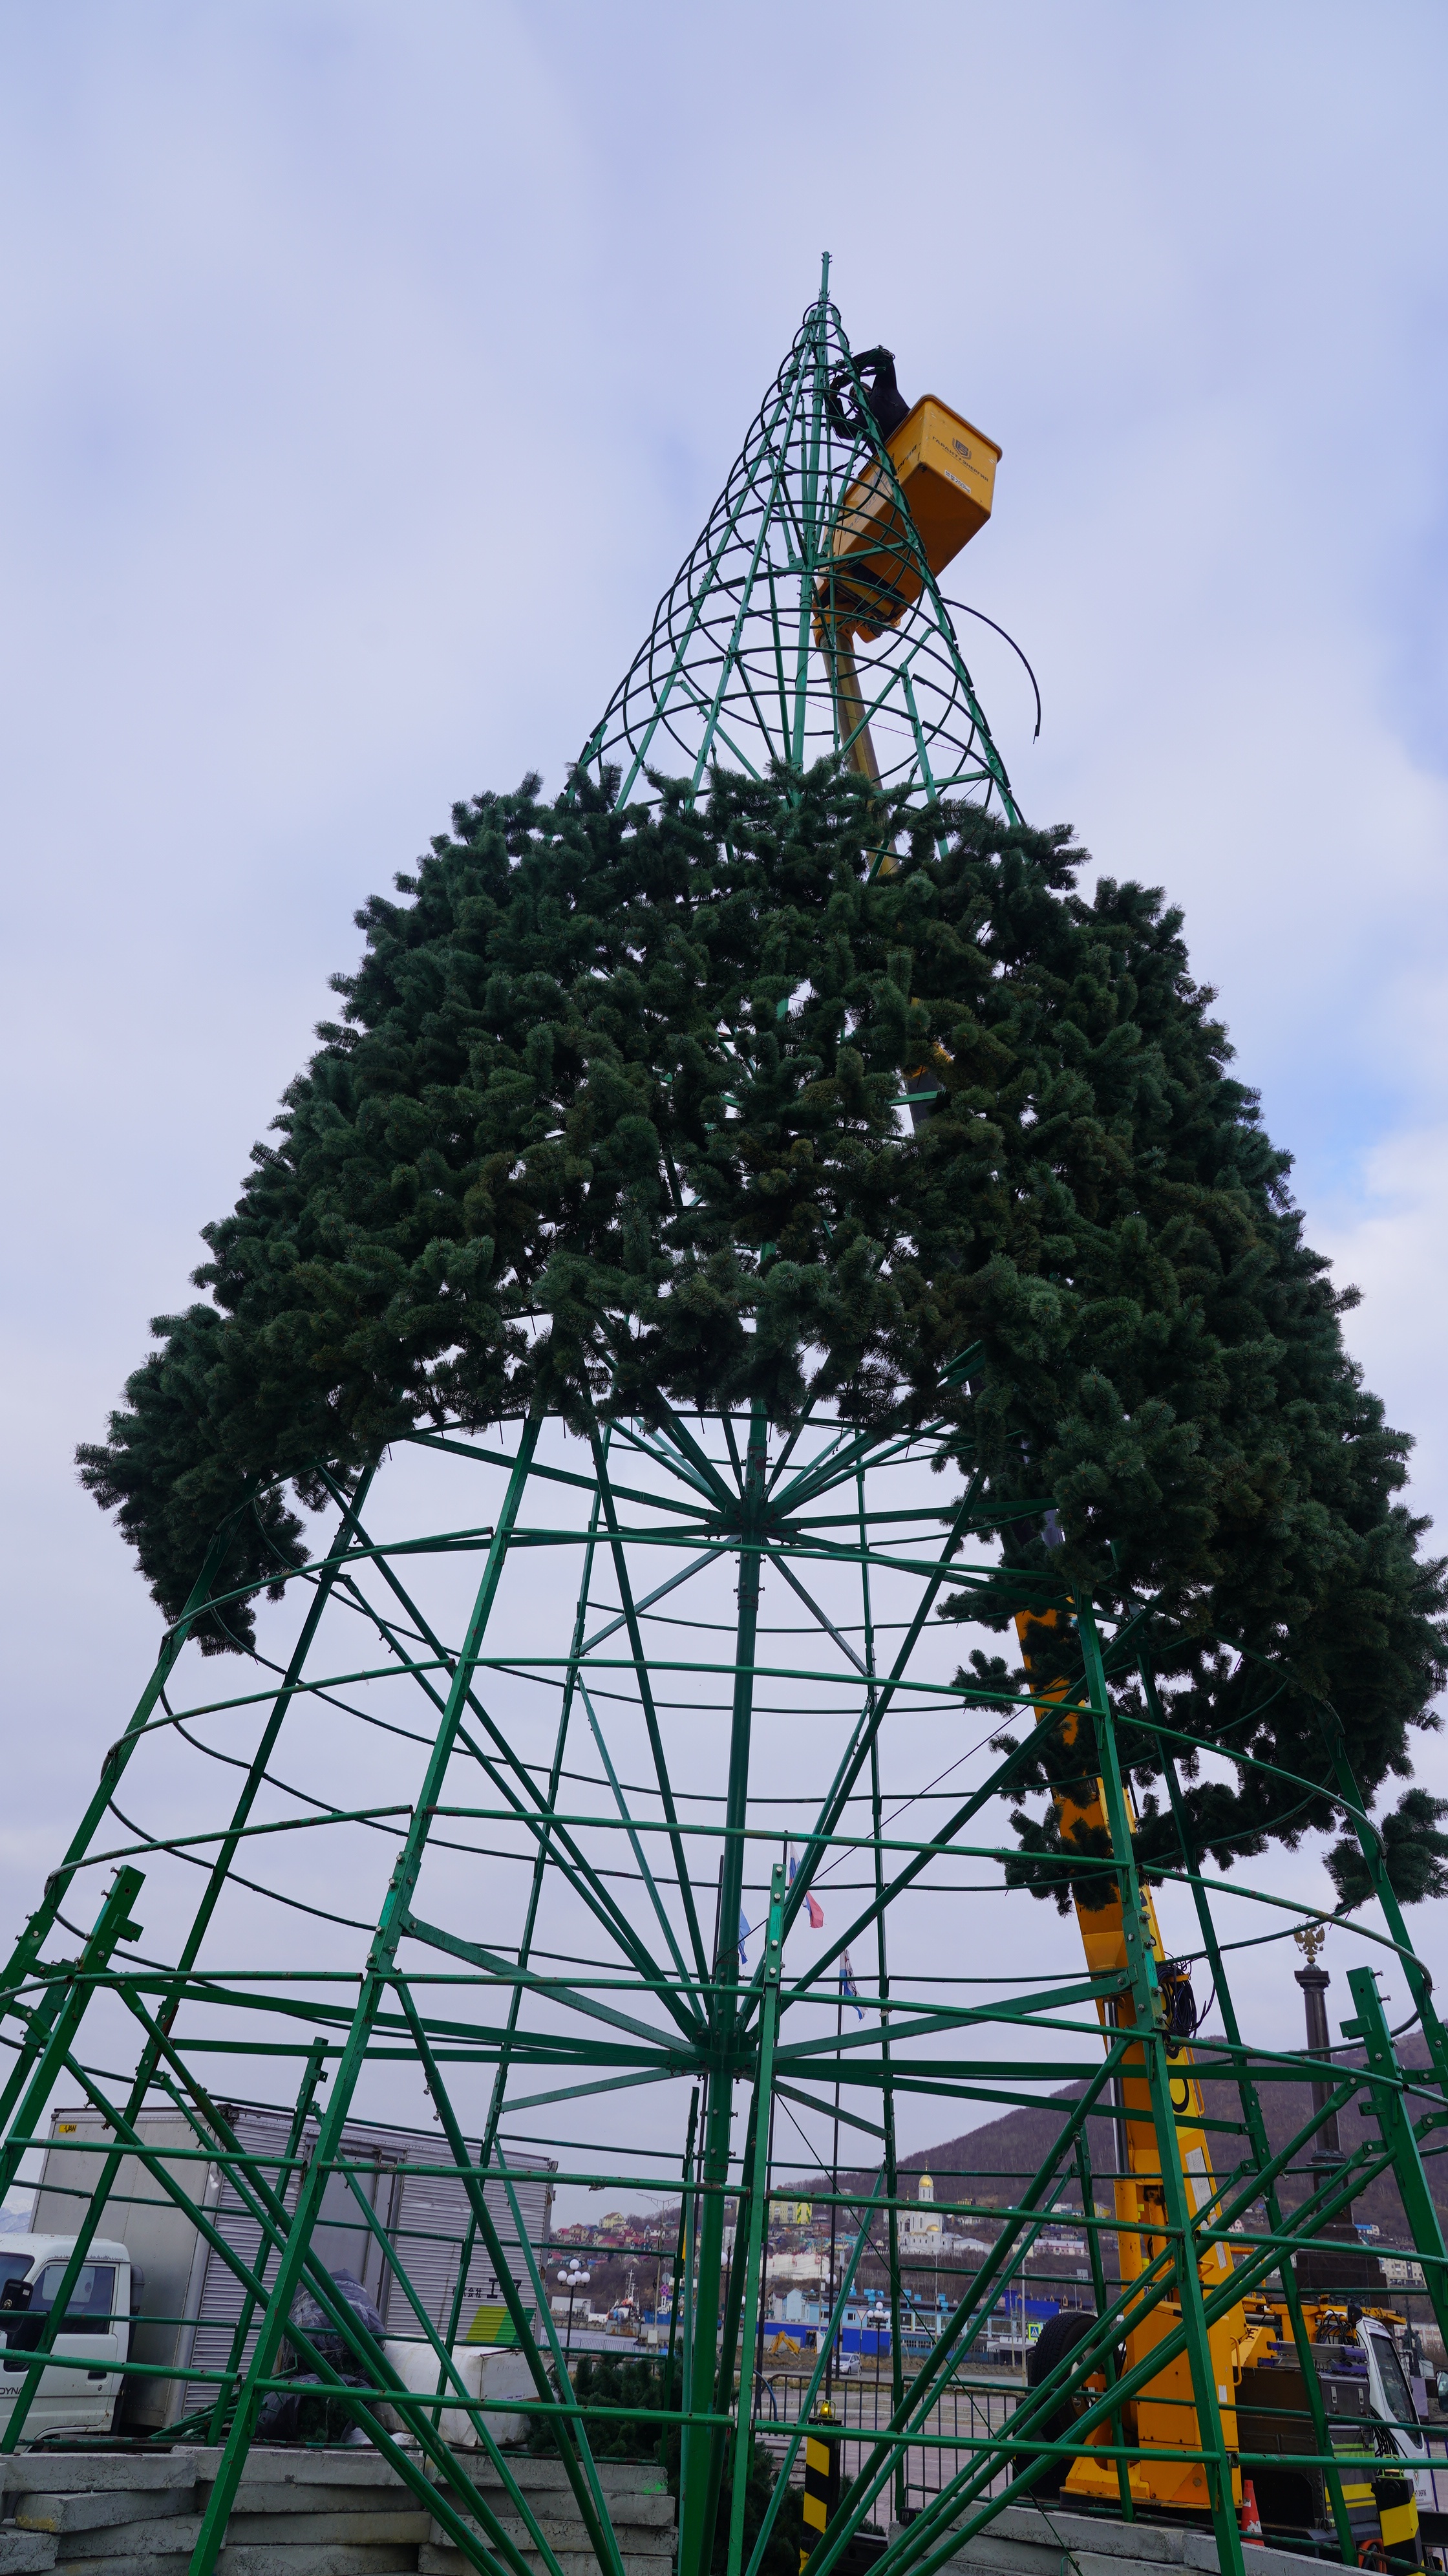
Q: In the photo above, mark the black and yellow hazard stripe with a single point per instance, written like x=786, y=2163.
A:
x=1383, y=2510
x=821, y=2483
x=1398, y=2521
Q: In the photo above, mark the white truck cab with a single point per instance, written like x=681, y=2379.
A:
x=1391, y=2401
x=82, y=2377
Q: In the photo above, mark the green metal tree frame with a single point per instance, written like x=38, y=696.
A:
x=747, y=663
x=678, y=1535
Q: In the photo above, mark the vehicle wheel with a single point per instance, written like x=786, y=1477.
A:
x=1059, y=2335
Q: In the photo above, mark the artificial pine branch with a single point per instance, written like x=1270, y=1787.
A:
x=634, y=1077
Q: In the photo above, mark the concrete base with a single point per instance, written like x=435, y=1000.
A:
x=300, y=2513
x=1036, y=2540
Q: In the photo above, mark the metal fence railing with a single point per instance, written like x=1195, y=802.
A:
x=970, y=2414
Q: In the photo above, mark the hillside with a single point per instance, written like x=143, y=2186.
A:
x=988, y=2166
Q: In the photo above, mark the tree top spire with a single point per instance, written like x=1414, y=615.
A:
x=806, y=619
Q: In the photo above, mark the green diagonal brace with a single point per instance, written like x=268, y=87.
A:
x=112, y=1924
x=1399, y=2136
x=758, y=2211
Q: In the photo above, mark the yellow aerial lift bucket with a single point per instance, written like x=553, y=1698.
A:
x=945, y=469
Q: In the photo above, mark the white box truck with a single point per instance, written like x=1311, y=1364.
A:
x=181, y=2298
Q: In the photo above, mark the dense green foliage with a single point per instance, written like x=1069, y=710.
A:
x=612, y=1115
x=600, y=2380
x=629, y=2380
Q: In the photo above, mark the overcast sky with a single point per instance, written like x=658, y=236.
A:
x=364, y=373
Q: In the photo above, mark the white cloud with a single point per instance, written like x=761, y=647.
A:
x=1393, y=1244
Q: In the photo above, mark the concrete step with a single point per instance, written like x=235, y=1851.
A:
x=374, y=2527
x=647, y=2540
x=641, y=2514
x=189, y=2465
x=538, y=2472
x=139, y=2543
x=257, y=2497
x=269, y=2558
x=335, y=2558
x=336, y=2512
x=346, y=2464
x=1031, y=2540
x=88, y=2511
x=122, y=2472
x=432, y=2561
x=154, y=2544
x=21, y=2552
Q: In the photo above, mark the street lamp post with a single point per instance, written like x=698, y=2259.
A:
x=658, y=2277
x=573, y=2279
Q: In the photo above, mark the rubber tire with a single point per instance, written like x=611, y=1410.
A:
x=1059, y=2335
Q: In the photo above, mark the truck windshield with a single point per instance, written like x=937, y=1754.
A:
x=1396, y=2391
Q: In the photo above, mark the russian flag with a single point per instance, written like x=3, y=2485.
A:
x=816, y=1912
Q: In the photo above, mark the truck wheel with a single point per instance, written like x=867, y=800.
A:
x=1059, y=2335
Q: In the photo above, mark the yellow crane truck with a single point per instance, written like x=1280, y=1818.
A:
x=1261, y=2388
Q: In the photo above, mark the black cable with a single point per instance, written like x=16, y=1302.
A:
x=965, y=611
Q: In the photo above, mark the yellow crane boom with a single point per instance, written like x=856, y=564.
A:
x=1164, y=2414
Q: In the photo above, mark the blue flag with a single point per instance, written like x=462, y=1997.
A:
x=847, y=1986
x=743, y=1937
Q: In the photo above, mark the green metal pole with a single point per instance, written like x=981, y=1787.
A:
x=550, y=1838
x=1399, y=2136
x=1098, y=2285
x=1420, y=1984
x=819, y=362
x=887, y=2092
x=733, y=2274
x=687, y=2187
x=703, y=2447
x=758, y=2205
x=829, y=2329
x=691, y=2249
